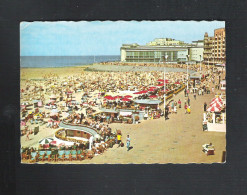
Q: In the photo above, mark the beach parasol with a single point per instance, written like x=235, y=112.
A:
x=53, y=142
x=177, y=83
x=125, y=100
x=160, y=85
x=150, y=89
x=108, y=97
x=45, y=141
x=213, y=109
x=118, y=97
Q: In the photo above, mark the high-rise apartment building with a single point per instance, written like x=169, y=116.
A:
x=214, y=48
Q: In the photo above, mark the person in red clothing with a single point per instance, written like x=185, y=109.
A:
x=179, y=103
x=185, y=108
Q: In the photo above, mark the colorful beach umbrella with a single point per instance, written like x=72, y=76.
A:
x=125, y=100
x=128, y=96
x=45, y=141
x=177, y=83
x=108, y=97
x=118, y=97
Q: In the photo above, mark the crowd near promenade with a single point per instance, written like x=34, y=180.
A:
x=96, y=99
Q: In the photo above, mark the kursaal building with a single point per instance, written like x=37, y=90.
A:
x=173, y=52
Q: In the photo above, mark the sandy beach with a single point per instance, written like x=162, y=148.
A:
x=177, y=140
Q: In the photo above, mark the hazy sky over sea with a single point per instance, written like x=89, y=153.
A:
x=104, y=38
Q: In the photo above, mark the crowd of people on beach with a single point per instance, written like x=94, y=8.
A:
x=76, y=98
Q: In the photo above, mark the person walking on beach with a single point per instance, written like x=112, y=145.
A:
x=188, y=101
x=205, y=106
x=195, y=95
x=185, y=92
x=27, y=137
x=128, y=142
x=185, y=108
x=179, y=103
x=119, y=138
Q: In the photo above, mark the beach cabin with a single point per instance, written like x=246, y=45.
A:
x=153, y=104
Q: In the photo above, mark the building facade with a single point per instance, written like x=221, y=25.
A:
x=156, y=54
x=214, y=48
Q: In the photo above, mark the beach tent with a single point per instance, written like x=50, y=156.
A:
x=109, y=97
x=162, y=80
x=216, y=104
x=213, y=109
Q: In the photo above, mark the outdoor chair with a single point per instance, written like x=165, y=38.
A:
x=67, y=155
x=33, y=157
x=48, y=154
x=73, y=155
x=80, y=156
x=24, y=154
x=60, y=155
x=41, y=155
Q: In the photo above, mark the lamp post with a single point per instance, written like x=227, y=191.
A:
x=188, y=56
x=166, y=56
x=200, y=63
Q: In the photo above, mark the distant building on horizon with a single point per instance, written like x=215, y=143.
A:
x=155, y=51
x=215, y=47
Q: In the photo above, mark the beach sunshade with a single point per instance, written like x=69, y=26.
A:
x=213, y=109
x=53, y=142
x=150, y=89
x=108, y=97
x=160, y=85
x=125, y=100
x=177, y=83
x=118, y=97
x=45, y=141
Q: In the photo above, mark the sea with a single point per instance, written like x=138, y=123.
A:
x=64, y=61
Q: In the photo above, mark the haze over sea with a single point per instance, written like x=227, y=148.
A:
x=63, y=61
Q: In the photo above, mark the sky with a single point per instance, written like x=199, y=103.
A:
x=104, y=38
